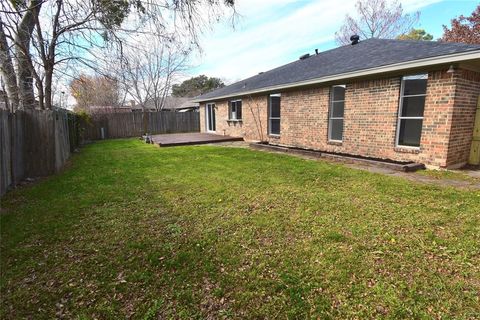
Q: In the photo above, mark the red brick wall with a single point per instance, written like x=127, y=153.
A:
x=465, y=102
x=370, y=119
x=254, y=119
x=437, y=118
x=306, y=118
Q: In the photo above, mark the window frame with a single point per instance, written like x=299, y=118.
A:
x=212, y=105
x=400, y=109
x=330, y=112
x=230, y=112
x=270, y=118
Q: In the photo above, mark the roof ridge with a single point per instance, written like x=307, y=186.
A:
x=350, y=45
x=367, y=54
x=291, y=62
x=294, y=61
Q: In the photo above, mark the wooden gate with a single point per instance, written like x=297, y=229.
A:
x=475, y=150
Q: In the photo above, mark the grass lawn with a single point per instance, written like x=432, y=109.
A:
x=458, y=175
x=130, y=230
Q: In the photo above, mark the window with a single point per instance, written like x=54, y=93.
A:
x=274, y=115
x=412, y=104
x=335, y=115
x=235, y=110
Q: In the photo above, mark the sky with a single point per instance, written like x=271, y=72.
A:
x=271, y=33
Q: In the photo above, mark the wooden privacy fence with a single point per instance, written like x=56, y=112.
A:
x=34, y=143
x=134, y=124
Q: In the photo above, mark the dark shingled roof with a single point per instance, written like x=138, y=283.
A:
x=366, y=54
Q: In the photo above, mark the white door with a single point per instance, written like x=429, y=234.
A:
x=210, y=117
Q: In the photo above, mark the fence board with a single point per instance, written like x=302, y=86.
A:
x=18, y=147
x=134, y=124
x=62, y=139
x=5, y=148
x=39, y=143
x=34, y=143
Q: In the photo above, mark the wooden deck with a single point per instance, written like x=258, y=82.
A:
x=183, y=139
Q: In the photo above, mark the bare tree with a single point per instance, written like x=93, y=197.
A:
x=91, y=91
x=16, y=29
x=7, y=71
x=146, y=72
x=376, y=19
x=38, y=37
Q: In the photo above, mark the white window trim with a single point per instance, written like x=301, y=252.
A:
x=400, y=109
x=270, y=114
x=230, y=113
x=330, y=118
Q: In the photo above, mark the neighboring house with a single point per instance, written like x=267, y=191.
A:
x=389, y=99
x=188, y=106
x=179, y=104
x=131, y=106
x=176, y=104
x=112, y=109
x=171, y=104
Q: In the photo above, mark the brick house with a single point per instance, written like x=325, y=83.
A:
x=389, y=99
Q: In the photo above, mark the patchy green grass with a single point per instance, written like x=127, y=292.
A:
x=448, y=175
x=130, y=230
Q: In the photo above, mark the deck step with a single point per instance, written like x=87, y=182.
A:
x=194, y=138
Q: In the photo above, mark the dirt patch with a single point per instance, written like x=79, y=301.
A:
x=416, y=177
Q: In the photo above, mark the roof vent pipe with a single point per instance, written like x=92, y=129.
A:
x=355, y=39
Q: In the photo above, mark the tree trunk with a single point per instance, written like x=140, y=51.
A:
x=41, y=95
x=7, y=71
x=48, y=86
x=22, y=50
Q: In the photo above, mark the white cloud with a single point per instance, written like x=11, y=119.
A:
x=415, y=5
x=274, y=32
